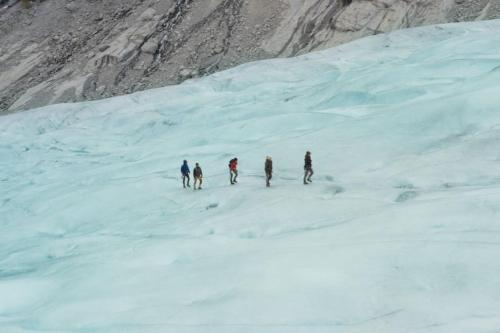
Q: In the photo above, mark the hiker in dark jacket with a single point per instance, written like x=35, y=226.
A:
x=233, y=170
x=268, y=168
x=308, y=171
x=198, y=176
x=185, y=174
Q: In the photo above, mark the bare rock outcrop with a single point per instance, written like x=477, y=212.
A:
x=55, y=51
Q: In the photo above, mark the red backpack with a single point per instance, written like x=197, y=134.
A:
x=232, y=164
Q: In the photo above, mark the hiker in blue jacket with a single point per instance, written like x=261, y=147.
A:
x=185, y=174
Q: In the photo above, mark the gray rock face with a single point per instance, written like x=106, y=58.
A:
x=55, y=51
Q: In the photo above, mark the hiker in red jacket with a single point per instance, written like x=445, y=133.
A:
x=233, y=170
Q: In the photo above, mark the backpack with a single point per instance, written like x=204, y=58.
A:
x=232, y=163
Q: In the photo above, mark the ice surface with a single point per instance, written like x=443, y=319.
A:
x=398, y=233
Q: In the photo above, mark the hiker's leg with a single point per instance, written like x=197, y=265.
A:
x=311, y=172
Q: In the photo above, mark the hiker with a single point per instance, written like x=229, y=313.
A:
x=185, y=174
x=233, y=170
x=198, y=176
x=308, y=171
x=268, y=168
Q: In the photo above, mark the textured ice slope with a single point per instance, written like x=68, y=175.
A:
x=398, y=233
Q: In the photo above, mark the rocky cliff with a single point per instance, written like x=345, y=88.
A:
x=67, y=50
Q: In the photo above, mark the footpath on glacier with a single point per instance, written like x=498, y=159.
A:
x=398, y=233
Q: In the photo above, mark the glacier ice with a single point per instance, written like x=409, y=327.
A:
x=398, y=233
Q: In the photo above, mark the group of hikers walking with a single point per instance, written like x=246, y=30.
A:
x=233, y=172
x=197, y=175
